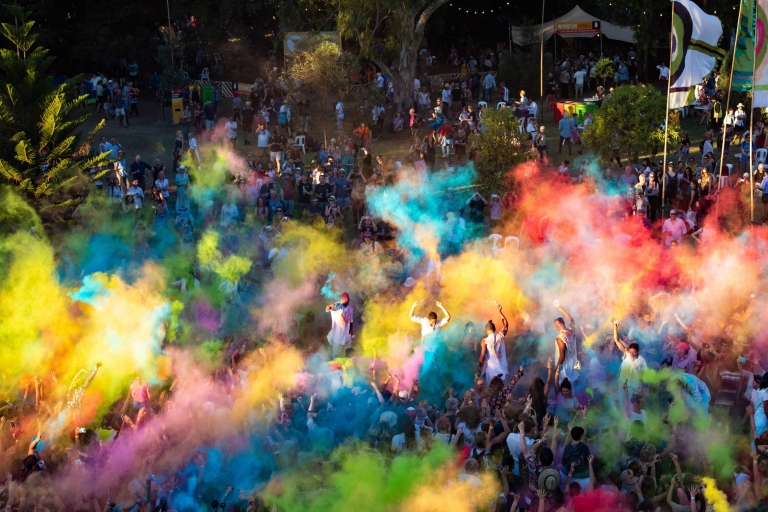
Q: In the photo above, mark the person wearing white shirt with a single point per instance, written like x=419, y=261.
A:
x=632, y=362
x=137, y=193
x=673, y=228
x=339, y=116
x=162, y=184
x=416, y=87
x=513, y=443
x=663, y=72
x=759, y=398
x=231, y=129
x=229, y=213
x=493, y=352
x=489, y=84
x=430, y=326
x=579, y=80
x=446, y=96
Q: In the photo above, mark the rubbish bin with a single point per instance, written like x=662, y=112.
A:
x=177, y=105
x=207, y=94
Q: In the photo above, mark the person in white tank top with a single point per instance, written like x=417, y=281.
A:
x=493, y=353
x=565, y=347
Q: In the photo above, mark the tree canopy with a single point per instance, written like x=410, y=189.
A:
x=632, y=121
x=501, y=146
x=42, y=154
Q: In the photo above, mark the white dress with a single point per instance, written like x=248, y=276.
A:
x=569, y=362
x=496, y=357
x=341, y=319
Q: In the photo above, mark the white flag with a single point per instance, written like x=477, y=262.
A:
x=694, y=49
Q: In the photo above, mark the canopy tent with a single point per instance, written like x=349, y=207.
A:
x=581, y=22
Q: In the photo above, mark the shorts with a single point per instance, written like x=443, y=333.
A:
x=137, y=406
x=343, y=202
x=119, y=111
x=275, y=155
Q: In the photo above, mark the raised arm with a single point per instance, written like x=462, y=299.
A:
x=413, y=310
x=549, y=378
x=445, y=312
x=523, y=446
x=616, y=339
x=567, y=316
x=592, y=479
x=504, y=322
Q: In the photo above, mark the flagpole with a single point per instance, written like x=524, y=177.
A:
x=664, y=175
x=751, y=138
x=728, y=104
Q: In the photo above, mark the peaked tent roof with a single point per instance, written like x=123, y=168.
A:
x=576, y=15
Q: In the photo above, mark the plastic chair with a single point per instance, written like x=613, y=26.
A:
x=185, y=75
x=482, y=104
x=501, y=104
x=495, y=239
x=730, y=169
x=216, y=58
x=300, y=141
x=761, y=155
x=512, y=239
x=205, y=75
x=725, y=181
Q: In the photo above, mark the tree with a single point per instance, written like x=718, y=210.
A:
x=500, y=147
x=41, y=153
x=603, y=70
x=389, y=31
x=632, y=120
x=318, y=68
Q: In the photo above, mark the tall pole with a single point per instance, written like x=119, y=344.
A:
x=727, y=107
x=666, y=122
x=168, y=8
x=751, y=138
x=541, y=71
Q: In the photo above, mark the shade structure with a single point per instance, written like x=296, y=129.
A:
x=576, y=16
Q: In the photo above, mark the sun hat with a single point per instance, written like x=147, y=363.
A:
x=549, y=480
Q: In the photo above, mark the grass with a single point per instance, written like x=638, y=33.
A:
x=152, y=137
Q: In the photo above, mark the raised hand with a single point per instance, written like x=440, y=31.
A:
x=438, y=304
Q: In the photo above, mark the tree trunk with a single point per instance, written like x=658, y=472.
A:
x=411, y=36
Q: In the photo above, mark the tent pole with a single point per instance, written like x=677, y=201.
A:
x=665, y=174
x=541, y=70
x=601, y=44
x=554, y=37
x=727, y=106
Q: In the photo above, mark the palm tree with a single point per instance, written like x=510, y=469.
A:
x=43, y=155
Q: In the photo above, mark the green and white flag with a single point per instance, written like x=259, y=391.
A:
x=761, y=63
x=694, y=49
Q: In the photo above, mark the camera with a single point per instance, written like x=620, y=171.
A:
x=81, y=430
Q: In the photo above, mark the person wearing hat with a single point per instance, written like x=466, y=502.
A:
x=740, y=120
x=342, y=326
x=684, y=357
x=541, y=475
x=182, y=183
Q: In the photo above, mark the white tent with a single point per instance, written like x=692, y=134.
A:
x=577, y=15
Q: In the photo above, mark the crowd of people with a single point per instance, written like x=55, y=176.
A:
x=271, y=361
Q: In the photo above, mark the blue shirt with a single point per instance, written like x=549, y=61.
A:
x=342, y=185
x=262, y=138
x=274, y=204
x=745, y=147
x=566, y=125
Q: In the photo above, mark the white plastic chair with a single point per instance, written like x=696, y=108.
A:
x=300, y=141
x=501, y=104
x=482, y=104
x=761, y=155
x=730, y=169
x=495, y=239
x=725, y=181
x=185, y=75
x=205, y=75
x=512, y=239
x=216, y=58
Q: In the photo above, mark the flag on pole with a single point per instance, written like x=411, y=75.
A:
x=694, y=49
x=761, y=63
x=744, y=55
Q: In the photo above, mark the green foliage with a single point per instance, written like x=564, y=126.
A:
x=318, y=68
x=632, y=120
x=603, y=69
x=501, y=147
x=42, y=156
